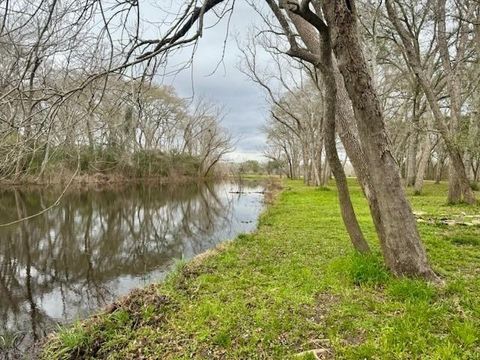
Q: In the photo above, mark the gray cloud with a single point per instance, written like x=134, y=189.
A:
x=244, y=102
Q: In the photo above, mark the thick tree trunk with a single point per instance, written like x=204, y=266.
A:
x=459, y=187
x=454, y=187
x=402, y=249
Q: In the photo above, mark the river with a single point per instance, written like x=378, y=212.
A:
x=97, y=245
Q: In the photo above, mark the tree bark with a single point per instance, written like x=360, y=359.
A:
x=454, y=188
x=348, y=213
x=402, y=249
x=438, y=169
x=345, y=121
x=413, y=140
x=411, y=170
x=325, y=174
x=422, y=165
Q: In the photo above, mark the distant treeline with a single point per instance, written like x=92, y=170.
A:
x=130, y=131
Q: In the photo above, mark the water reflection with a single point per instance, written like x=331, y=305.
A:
x=98, y=245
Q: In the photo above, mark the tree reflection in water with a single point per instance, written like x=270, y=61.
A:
x=98, y=245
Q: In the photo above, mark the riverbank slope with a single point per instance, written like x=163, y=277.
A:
x=295, y=285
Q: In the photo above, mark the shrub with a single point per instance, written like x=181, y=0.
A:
x=110, y=160
x=475, y=186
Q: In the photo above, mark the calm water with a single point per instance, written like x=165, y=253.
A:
x=98, y=245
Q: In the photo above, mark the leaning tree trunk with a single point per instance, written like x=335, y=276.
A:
x=402, y=249
x=348, y=213
x=345, y=121
x=413, y=140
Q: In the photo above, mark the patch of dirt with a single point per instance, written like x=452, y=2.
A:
x=137, y=301
x=318, y=344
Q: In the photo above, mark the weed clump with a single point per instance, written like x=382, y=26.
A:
x=367, y=270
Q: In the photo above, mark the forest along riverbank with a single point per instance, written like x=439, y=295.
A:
x=295, y=286
x=97, y=245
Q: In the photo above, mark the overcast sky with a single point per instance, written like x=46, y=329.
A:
x=245, y=104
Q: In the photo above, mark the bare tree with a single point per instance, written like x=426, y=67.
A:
x=356, y=105
x=448, y=126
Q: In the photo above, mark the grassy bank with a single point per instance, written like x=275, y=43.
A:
x=295, y=285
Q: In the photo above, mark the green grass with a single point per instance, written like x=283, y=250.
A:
x=296, y=285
